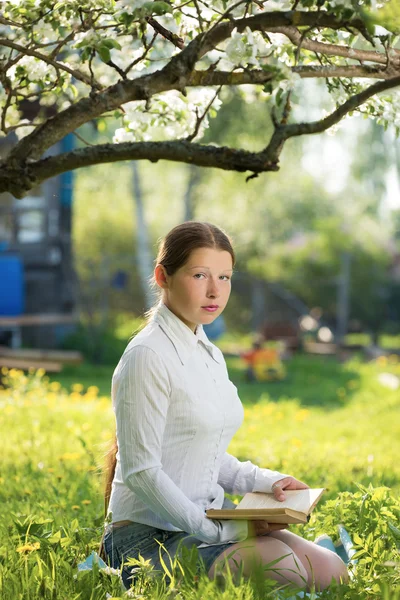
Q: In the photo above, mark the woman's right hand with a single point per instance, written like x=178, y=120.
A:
x=259, y=528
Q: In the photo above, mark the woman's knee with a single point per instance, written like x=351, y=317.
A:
x=334, y=568
x=287, y=567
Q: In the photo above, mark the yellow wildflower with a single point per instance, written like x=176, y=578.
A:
x=77, y=387
x=93, y=389
x=296, y=442
x=70, y=456
x=28, y=547
x=76, y=507
x=86, y=502
x=302, y=414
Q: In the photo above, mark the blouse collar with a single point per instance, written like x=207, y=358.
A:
x=182, y=337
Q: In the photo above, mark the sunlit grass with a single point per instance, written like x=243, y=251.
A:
x=332, y=425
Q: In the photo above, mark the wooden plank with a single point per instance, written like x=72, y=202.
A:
x=25, y=365
x=38, y=319
x=320, y=348
x=71, y=357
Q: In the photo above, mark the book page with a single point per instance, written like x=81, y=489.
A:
x=300, y=500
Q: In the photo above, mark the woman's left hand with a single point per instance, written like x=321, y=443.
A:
x=287, y=483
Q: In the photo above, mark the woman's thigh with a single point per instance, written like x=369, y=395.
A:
x=262, y=551
x=320, y=563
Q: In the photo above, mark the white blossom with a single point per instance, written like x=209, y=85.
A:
x=44, y=32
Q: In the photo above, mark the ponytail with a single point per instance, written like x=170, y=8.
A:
x=111, y=462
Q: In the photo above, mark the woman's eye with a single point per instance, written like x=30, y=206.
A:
x=198, y=275
x=227, y=277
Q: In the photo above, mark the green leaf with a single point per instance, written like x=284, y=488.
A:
x=158, y=7
x=104, y=53
x=109, y=43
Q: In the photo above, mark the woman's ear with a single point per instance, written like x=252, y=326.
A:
x=161, y=276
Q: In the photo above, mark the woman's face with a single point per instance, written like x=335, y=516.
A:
x=204, y=280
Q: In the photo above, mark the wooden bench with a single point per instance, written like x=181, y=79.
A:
x=25, y=365
x=14, y=324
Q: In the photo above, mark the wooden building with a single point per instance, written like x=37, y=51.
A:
x=37, y=230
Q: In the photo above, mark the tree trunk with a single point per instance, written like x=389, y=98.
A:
x=189, y=199
x=144, y=256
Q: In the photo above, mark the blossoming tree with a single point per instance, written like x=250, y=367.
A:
x=159, y=69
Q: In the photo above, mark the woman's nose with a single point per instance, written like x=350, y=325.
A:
x=213, y=288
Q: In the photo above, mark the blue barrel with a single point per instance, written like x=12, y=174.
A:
x=215, y=329
x=11, y=286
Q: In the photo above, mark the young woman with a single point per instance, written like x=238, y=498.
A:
x=176, y=412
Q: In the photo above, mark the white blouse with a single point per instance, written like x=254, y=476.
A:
x=176, y=412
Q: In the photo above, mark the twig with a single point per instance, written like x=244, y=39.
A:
x=199, y=120
x=168, y=35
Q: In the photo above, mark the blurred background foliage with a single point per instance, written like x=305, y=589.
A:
x=334, y=194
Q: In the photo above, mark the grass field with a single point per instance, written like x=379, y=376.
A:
x=332, y=425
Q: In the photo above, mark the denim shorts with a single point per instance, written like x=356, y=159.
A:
x=120, y=543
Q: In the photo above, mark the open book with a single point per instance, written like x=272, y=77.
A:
x=259, y=506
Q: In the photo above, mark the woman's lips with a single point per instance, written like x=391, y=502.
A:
x=210, y=308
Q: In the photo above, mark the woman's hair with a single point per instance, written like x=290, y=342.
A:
x=173, y=252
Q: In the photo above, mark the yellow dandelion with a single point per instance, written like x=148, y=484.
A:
x=40, y=373
x=77, y=387
x=55, y=386
x=296, y=442
x=302, y=414
x=4, y=371
x=50, y=470
x=86, y=502
x=76, y=507
x=28, y=492
x=381, y=360
x=28, y=548
x=93, y=389
x=70, y=456
x=15, y=373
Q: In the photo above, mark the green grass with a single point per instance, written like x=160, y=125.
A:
x=332, y=425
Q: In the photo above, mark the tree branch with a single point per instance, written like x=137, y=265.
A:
x=293, y=34
x=20, y=180
x=58, y=66
x=272, y=20
x=259, y=76
x=175, y=75
x=166, y=33
x=282, y=133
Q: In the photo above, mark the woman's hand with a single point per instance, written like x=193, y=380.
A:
x=258, y=528
x=287, y=483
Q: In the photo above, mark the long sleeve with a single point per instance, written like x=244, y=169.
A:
x=238, y=477
x=141, y=407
